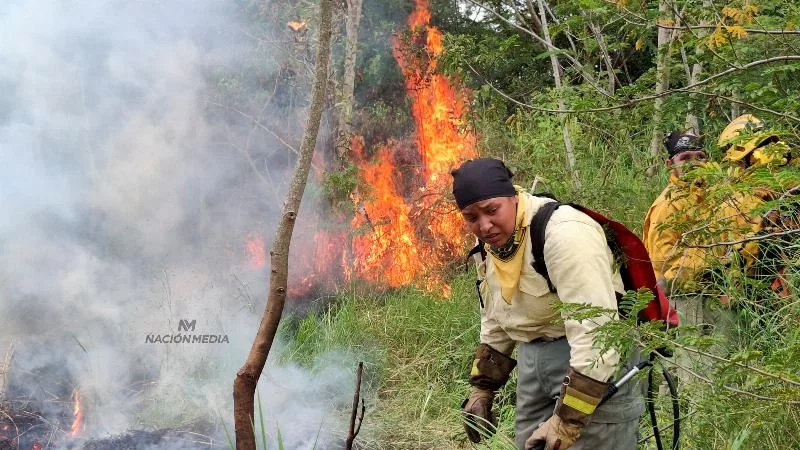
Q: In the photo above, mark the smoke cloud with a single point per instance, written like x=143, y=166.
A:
x=128, y=195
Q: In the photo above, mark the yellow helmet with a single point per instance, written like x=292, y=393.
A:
x=736, y=149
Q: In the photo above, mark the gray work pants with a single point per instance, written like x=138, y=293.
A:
x=696, y=310
x=541, y=368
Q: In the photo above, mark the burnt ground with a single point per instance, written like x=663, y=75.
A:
x=29, y=430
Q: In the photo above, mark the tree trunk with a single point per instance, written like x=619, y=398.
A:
x=345, y=134
x=244, y=385
x=691, y=118
x=662, y=81
x=571, y=166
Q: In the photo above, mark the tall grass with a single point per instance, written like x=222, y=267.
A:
x=417, y=349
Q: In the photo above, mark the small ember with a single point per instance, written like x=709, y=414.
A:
x=77, y=424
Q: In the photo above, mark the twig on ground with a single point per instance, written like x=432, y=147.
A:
x=5, y=366
x=351, y=436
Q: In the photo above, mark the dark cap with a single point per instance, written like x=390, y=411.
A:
x=481, y=179
x=677, y=142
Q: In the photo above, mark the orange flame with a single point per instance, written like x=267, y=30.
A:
x=295, y=25
x=404, y=229
x=77, y=410
x=409, y=239
x=385, y=247
x=254, y=249
x=318, y=259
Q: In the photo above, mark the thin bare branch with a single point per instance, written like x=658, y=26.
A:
x=746, y=104
x=760, y=237
x=257, y=123
x=736, y=363
x=712, y=27
x=549, y=46
x=631, y=102
x=732, y=389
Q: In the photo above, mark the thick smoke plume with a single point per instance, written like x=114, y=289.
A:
x=128, y=196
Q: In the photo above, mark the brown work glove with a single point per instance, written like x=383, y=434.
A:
x=555, y=434
x=580, y=396
x=490, y=371
x=478, y=417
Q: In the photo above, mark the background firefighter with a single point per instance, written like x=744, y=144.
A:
x=749, y=145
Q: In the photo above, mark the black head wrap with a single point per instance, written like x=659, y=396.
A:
x=481, y=179
x=677, y=142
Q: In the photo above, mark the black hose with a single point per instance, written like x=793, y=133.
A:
x=676, y=409
x=652, y=409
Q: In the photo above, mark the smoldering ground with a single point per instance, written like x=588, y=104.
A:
x=126, y=196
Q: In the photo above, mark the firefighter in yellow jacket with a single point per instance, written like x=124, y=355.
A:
x=681, y=201
x=562, y=373
x=684, y=230
x=748, y=145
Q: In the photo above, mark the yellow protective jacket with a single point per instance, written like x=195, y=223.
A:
x=676, y=205
x=581, y=267
x=684, y=205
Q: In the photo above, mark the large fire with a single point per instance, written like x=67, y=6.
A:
x=404, y=229
x=408, y=239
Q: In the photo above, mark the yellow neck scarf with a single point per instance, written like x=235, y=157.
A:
x=508, y=260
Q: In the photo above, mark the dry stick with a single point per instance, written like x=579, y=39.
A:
x=4, y=369
x=745, y=104
x=645, y=23
x=351, y=435
x=244, y=385
x=712, y=27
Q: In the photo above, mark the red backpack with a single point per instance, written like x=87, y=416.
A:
x=636, y=269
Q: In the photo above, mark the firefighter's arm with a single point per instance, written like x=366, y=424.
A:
x=490, y=370
x=580, y=266
x=661, y=241
x=745, y=224
x=494, y=335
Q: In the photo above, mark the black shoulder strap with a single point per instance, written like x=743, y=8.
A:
x=537, y=229
x=475, y=250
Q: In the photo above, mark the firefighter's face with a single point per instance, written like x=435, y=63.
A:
x=493, y=220
x=685, y=161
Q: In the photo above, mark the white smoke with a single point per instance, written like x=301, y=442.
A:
x=126, y=200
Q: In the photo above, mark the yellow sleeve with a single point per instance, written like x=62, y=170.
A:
x=736, y=216
x=672, y=259
x=660, y=241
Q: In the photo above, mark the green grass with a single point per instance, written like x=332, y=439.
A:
x=417, y=349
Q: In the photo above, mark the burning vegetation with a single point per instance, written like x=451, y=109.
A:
x=402, y=231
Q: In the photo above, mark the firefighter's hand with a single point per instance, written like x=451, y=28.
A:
x=478, y=418
x=553, y=435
